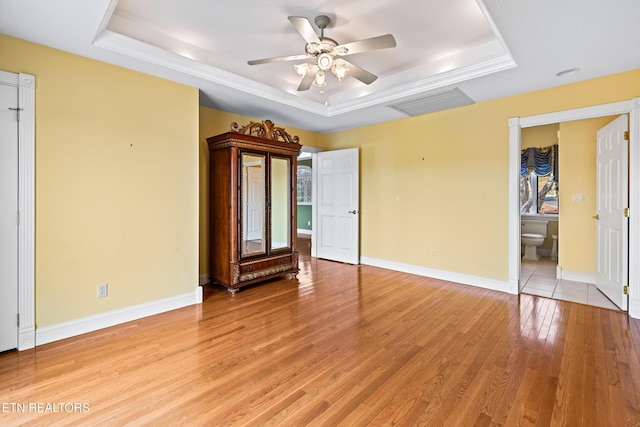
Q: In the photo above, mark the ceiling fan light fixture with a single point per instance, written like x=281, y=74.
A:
x=324, y=61
x=323, y=53
x=321, y=79
x=302, y=69
x=340, y=70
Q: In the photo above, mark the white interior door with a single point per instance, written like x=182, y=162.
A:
x=612, y=227
x=8, y=217
x=338, y=205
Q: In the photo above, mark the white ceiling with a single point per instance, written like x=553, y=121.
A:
x=486, y=49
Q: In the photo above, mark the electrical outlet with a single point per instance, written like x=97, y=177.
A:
x=103, y=290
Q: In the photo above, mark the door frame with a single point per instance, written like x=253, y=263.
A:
x=631, y=107
x=26, y=205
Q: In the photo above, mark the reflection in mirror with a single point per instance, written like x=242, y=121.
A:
x=253, y=186
x=280, y=203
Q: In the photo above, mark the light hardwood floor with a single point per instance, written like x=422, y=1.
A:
x=341, y=345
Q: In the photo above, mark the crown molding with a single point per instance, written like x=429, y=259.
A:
x=458, y=75
x=133, y=48
x=142, y=51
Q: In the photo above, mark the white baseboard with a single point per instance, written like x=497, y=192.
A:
x=26, y=338
x=465, y=279
x=303, y=231
x=575, y=276
x=204, y=279
x=634, y=308
x=83, y=325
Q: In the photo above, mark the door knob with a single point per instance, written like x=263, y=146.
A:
x=596, y=217
x=353, y=212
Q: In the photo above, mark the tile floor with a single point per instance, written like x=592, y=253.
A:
x=540, y=279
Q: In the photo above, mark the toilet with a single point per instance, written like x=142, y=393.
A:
x=532, y=235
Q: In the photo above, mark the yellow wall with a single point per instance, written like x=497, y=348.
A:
x=450, y=170
x=577, y=234
x=116, y=183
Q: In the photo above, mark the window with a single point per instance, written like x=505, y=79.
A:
x=543, y=200
x=303, y=186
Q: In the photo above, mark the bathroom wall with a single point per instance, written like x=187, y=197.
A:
x=539, y=136
x=577, y=253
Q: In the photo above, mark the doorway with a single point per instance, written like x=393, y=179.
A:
x=632, y=107
x=305, y=198
x=304, y=192
x=563, y=150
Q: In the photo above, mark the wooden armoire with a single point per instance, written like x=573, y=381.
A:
x=253, y=204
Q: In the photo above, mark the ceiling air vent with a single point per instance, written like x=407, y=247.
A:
x=434, y=102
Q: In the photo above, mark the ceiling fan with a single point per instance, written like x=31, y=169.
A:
x=326, y=54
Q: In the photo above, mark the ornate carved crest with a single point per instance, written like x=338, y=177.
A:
x=267, y=129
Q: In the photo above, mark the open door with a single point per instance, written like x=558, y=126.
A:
x=612, y=222
x=338, y=205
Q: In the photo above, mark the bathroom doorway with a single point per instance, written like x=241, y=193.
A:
x=575, y=199
x=572, y=277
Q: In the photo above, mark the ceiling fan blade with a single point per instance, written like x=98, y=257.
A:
x=306, y=81
x=380, y=42
x=361, y=74
x=303, y=26
x=278, y=59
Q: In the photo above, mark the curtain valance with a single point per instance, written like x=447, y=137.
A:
x=542, y=161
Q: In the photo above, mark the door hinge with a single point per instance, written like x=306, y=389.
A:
x=18, y=316
x=626, y=212
x=626, y=135
x=625, y=290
